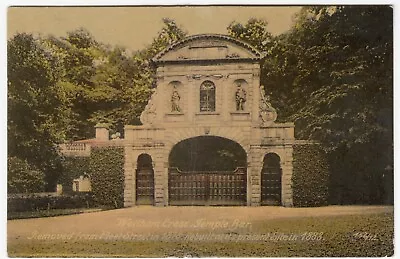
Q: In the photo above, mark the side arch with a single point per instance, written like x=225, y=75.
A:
x=271, y=180
x=144, y=180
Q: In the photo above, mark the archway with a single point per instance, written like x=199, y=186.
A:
x=271, y=180
x=207, y=170
x=144, y=180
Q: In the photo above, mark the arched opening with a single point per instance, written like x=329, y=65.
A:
x=144, y=180
x=207, y=153
x=271, y=180
x=207, y=170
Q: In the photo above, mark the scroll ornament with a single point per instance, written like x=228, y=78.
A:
x=268, y=113
x=148, y=116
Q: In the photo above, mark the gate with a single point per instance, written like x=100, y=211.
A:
x=271, y=180
x=144, y=181
x=207, y=188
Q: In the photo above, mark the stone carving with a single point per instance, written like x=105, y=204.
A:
x=216, y=76
x=233, y=55
x=148, y=116
x=240, y=98
x=267, y=112
x=182, y=57
x=175, y=99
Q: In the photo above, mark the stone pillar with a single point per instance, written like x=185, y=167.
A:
x=166, y=186
x=248, y=186
x=287, y=172
x=102, y=132
x=255, y=86
x=130, y=175
x=159, y=179
x=255, y=178
x=191, y=99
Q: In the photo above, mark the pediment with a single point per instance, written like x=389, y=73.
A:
x=208, y=47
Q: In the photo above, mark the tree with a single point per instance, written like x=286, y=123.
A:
x=104, y=84
x=37, y=114
x=332, y=74
x=254, y=32
x=345, y=69
x=22, y=178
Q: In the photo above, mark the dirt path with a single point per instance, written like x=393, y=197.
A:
x=159, y=220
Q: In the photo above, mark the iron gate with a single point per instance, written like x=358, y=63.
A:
x=144, y=186
x=207, y=188
x=271, y=185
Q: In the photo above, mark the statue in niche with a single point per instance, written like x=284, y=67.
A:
x=175, y=99
x=240, y=98
x=267, y=112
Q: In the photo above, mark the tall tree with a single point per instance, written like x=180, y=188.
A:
x=332, y=74
x=37, y=113
x=254, y=32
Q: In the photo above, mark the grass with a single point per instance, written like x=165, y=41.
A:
x=50, y=213
x=355, y=235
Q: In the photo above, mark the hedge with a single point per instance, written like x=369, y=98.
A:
x=107, y=175
x=36, y=203
x=73, y=167
x=310, y=176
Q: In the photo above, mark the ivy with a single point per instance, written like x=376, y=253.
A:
x=107, y=175
x=310, y=176
x=73, y=167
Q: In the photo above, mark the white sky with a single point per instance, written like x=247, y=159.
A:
x=135, y=27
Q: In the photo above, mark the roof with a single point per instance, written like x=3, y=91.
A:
x=255, y=53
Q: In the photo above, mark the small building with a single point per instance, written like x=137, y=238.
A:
x=208, y=91
x=81, y=184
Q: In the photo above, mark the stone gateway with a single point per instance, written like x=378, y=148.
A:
x=208, y=91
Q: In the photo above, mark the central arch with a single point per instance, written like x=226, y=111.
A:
x=207, y=170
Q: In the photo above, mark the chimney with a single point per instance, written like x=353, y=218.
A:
x=102, y=133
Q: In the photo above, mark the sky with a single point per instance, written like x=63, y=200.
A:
x=134, y=27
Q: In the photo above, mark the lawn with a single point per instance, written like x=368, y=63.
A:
x=339, y=235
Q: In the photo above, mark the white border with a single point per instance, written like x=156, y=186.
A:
x=3, y=72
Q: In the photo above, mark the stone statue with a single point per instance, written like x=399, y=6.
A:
x=267, y=112
x=240, y=98
x=175, y=99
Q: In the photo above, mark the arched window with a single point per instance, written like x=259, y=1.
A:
x=207, y=97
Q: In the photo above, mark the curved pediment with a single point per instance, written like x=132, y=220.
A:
x=205, y=47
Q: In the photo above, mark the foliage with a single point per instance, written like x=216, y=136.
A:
x=73, y=167
x=254, y=32
x=59, y=88
x=169, y=34
x=22, y=178
x=37, y=203
x=107, y=175
x=37, y=111
x=310, y=176
x=332, y=74
x=347, y=76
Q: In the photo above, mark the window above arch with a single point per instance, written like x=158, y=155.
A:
x=207, y=97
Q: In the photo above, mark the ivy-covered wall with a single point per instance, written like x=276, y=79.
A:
x=107, y=175
x=73, y=167
x=310, y=176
